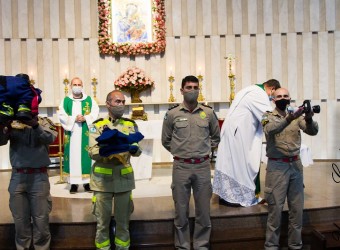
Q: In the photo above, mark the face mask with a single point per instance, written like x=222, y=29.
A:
x=191, y=96
x=117, y=111
x=77, y=90
x=282, y=104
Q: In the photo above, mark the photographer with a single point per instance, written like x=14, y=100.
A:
x=284, y=175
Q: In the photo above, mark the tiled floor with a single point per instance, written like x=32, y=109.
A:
x=320, y=191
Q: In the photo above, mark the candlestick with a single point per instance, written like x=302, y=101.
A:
x=231, y=77
x=65, y=82
x=200, y=95
x=171, y=80
x=94, y=87
x=31, y=79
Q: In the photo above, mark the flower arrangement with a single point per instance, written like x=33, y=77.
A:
x=133, y=79
x=106, y=46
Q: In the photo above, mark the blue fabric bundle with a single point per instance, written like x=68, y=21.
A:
x=112, y=141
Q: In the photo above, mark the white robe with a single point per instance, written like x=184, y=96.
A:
x=69, y=124
x=239, y=152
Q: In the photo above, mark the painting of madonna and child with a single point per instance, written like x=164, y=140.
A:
x=131, y=21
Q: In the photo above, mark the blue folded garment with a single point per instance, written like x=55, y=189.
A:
x=110, y=136
x=112, y=141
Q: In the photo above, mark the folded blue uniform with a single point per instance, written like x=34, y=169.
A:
x=112, y=141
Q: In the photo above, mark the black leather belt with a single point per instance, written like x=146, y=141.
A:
x=30, y=170
x=192, y=160
x=286, y=159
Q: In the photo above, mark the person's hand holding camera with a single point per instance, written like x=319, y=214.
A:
x=292, y=116
x=309, y=117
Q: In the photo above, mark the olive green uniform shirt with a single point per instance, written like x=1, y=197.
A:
x=284, y=138
x=190, y=134
x=28, y=146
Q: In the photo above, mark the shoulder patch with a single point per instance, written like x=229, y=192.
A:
x=265, y=119
x=206, y=105
x=92, y=129
x=174, y=106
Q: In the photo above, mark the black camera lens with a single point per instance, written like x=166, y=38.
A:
x=316, y=109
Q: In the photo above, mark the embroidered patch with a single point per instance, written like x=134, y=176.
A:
x=93, y=129
x=264, y=120
x=203, y=114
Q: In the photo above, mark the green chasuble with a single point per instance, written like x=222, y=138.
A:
x=86, y=106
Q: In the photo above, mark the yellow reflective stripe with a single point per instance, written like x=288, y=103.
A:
x=122, y=243
x=94, y=199
x=135, y=144
x=102, y=123
x=103, y=244
x=126, y=170
x=128, y=123
x=101, y=170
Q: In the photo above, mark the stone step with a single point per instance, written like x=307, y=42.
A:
x=228, y=232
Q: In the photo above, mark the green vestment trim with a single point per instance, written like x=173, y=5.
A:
x=261, y=86
x=86, y=106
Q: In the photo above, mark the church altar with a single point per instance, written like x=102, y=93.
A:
x=142, y=165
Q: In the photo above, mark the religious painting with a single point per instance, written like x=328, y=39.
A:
x=131, y=27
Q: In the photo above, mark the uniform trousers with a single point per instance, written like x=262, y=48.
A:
x=30, y=200
x=102, y=209
x=198, y=178
x=284, y=179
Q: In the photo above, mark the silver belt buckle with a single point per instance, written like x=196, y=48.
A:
x=192, y=160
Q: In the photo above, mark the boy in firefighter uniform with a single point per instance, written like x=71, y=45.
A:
x=112, y=174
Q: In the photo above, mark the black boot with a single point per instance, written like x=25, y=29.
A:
x=74, y=189
x=226, y=203
x=24, y=112
x=87, y=188
x=6, y=113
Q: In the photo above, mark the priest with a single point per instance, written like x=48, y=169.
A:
x=76, y=112
x=239, y=152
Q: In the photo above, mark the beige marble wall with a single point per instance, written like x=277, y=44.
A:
x=295, y=41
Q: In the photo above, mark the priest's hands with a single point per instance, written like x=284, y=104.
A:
x=80, y=118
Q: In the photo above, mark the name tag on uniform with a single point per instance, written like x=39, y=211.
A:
x=181, y=119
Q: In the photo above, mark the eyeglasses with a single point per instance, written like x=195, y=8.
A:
x=281, y=96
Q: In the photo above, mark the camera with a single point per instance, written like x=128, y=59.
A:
x=307, y=108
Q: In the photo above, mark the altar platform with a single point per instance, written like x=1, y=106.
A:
x=73, y=225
